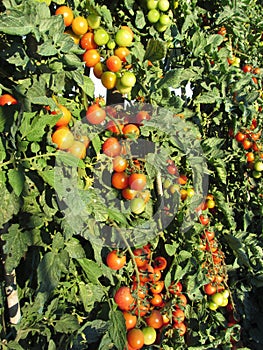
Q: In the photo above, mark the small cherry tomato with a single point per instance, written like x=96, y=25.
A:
x=159, y=263
x=115, y=261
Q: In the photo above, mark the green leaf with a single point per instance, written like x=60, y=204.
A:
x=15, y=25
x=14, y=252
x=91, y=269
x=140, y=19
x=75, y=249
x=67, y=324
x=88, y=86
x=155, y=50
x=12, y=203
x=117, y=216
x=89, y=294
x=117, y=329
x=96, y=143
x=16, y=179
x=47, y=49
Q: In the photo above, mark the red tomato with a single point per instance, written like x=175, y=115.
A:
x=115, y=126
x=181, y=327
x=137, y=181
x=157, y=300
x=159, y=263
x=181, y=300
x=140, y=289
x=146, y=273
x=135, y=338
x=115, y=261
x=91, y=58
x=95, y=114
x=157, y=275
x=247, y=144
x=250, y=156
x=67, y=14
x=141, y=116
x=119, y=164
x=63, y=138
x=128, y=194
x=87, y=41
x=7, y=99
x=111, y=147
x=204, y=220
x=157, y=287
x=131, y=130
x=247, y=68
x=120, y=180
x=130, y=320
x=114, y=63
x=98, y=69
x=141, y=257
x=178, y=315
x=155, y=319
x=240, y=136
x=175, y=287
x=142, y=307
x=210, y=289
x=209, y=235
x=124, y=299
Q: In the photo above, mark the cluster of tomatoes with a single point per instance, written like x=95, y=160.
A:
x=158, y=14
x=249, y=139
x=149, y=309
x=105, y=52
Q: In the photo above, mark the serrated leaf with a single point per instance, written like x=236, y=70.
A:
x=75, y=249
x=224, y=206
x=117, y=329
x=155, y=50
x=16, y=179
x=140, y=19
x=117, y=216
x=89, y=294
x=12, y=203
x=96, y=143
x=47, y=49
x=88, y=86
x=15, y=25
x=91, y=269
x=14, y=252
x=67, y=324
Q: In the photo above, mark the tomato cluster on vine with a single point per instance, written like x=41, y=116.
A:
x=149, y=308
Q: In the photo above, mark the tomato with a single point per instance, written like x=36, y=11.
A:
x=74, y=37
x=181, y=327
x=160, y=263
x=190, y=192
x=111, y=44
x=95, y=114
x=217, y=298
x=123, y=298
x=101, y=37
x=115, y=261
x=111, y=147
x=141, y=257
x=7, y=99
x=128, y=194
x=63, y=138
x=141, y=116
x=98, y=69
x=157, y=275
x=157, y=287
x=119, y=164
x=181, y=300
x=204, y=220
x=123, y=37
x=137, y=206
x=122, y=89
x=164, y=20
x=149, y=335
x=166, y=319
x=212, y=306
x=182, y=180
x=91, y=58
x=209, y=235
x=210, y=203
x=128, y=29
x=151, y=4
x=250, y=157
x=78, y=149
x=246, y=144
x=87, y=41
x=146, y=273
x=175, y=288
x=258, y=166
x=130, y=320
x=222, y=31
x=114, y=63
x=157, y=300
x=240, y=136
x=108, y=80
x=178, y=315
x=79, y=25
x=120, y=180
x=183, y=194
x=163, y=5
x=122, y=52
x=140, y=289
x=142, y=307
x=137, y=181
x=153, y=16
x=135, y=338
x=128, y=79
x=65, y=118
x=247, y=68
x=131, y=130
x=67, y=14
x=155, y=319
x=84, y=139
x=93, y=21
x=210, y=289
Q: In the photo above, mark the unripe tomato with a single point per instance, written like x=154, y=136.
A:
x=258, y=166
x=122, y=89
x=115, y=261
x=98, y=70
x=78, y=149
x=63, y=138
x=67, y=14
x=79, y=25
x=108, y=80
x=101, y=37
x=137, y=205
x=123, y=37
x=74, y=37
x=93, y=21
x=95, y=114
x=164, y=20
x=65, y=118
x=217, y=298
x=163, y=5
x=153, y=16
x=122, y=52
x=149, y=335
x=128, y=79
x=151, y=4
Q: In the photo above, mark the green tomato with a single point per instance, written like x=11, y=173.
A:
x=123, y=37
x=137, y=205
x=225, y=293
x=163, y=5
x=212, y=306
x=111, y=44
x=256, y=174
x=121, y=88
x=217, y=298
x=101, y=37
x=225, y=302
x=152, y=4
x=160, y=28
x=258, y=166
x=190, y=192
x=149, y=335
x=153, y=16
x=164, y=20
x=93, y=21
x=128, y=79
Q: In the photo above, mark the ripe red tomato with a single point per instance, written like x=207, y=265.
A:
x=146, y=273
x=181, y=300
x=250, y=156
x=222, y=31
x=111, y=147
x=124, y=299
x=155, y=319
x=181, y=327
x=175, y=288
x=119, y=164
x=141, y=257
x=157, y=287
x=240, y=136
x=141, y=289
x=247, y=68
x=159, y=263
x=65, y=118
x=108, y=79
x=128, y=194
x=157, y=300
x=157, y=275
x=91, y=57
x=79, y=25
x=131, y=131
x=210, y=289
x=115, y=126
x=115, y=261
x=141, y=116
x=137, y=181
x=114, y=63
x=204, y=220
x=87, y=41
x=7, y=99
x=78, y=149
x=130, y=320
x=120, y=180
x=95, y=114
x=178, y=315
x=135, y=338
x=63, y=138
x=142, y=307
x=67, y=14
x=247, y=144
x=209, y=235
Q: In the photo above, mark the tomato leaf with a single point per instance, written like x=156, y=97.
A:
x=140, y=19
x=117, y=329
x=91, y=269
x=68, y=323
x=155, y=50
x=16, y=179
x=89, y=294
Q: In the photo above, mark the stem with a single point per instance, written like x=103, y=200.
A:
x=12, y=297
